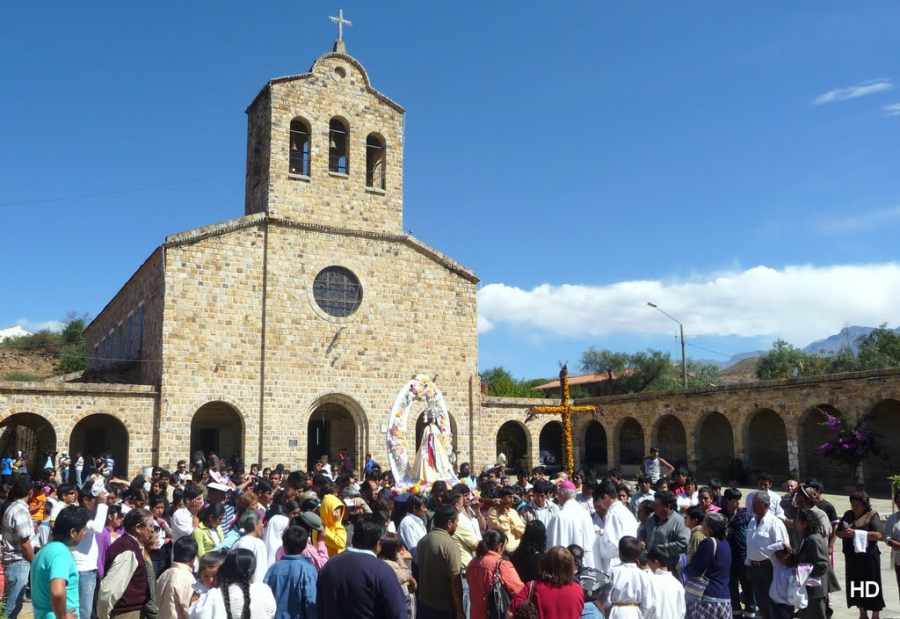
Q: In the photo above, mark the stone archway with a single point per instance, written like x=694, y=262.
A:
x=550, y=445
x=631, y=442
x=31, y=434
x=595, y=448
x=332, y=427
x=101, y=434
x=812, y=463
x=767, y=443
x=512, y=441
x=715, y=447
x=217, y=427
x=671, y=439
x=884, y=421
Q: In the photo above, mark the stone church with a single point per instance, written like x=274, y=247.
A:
x=285, y=334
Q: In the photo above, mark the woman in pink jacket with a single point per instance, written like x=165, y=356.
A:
x=482, y=570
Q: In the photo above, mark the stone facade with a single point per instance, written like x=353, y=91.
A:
x=773, y=426
x=230, y=350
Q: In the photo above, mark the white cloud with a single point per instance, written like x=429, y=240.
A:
x=891, y=110
x=50, y=325
x=798, y=303
x=870, y=87
x=866, y=220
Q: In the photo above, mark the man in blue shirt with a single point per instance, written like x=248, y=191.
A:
x=292, y=578
x=54, y=576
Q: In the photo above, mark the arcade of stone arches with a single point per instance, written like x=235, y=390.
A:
x=715, y=447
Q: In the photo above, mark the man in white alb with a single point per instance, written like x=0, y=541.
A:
x=572, y=525
x=613, y=521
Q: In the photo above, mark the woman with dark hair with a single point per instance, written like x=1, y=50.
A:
x=531, y=548
x=392, y=552
x=209, y=534
x=236, y=597
x=713, y=561
x=860, y=529
x=487, y=566
x=556, y=594
x=812, y=550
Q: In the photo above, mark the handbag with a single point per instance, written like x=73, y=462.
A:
x=695, y=586
x=498, y=597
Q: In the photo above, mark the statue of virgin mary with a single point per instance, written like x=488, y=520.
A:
x=433, y=461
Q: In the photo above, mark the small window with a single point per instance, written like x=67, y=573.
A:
x=338, y=137
x=299, y=157
x=337, y=291
x=375, y=161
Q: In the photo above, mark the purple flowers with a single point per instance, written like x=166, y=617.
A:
x=849, y=446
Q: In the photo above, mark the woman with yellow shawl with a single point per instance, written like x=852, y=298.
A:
x=332, y=513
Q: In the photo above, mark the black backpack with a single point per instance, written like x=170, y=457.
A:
x=498, y=597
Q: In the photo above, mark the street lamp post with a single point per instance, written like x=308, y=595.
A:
x=681, y=331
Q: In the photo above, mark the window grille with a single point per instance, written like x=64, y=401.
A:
x=338, y=159
x=337, y=291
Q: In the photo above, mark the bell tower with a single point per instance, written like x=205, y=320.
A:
x=325, y=148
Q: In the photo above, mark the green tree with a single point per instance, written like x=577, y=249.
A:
x=604, y=362
x=879, y=349
x=843, y=361
x=502, y=384
x=786, y=361
x=73, y=352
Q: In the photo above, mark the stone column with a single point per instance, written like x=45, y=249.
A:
x=792, y=431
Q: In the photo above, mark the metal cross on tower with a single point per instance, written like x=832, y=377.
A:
x=565, y=409
x=340, y=21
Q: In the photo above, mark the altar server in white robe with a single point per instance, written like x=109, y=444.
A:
x=668, y=592
x=613, y=521
x=631, y=588
x=572, y=525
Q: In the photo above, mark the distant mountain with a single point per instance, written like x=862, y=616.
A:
x=13, y=331
x=848, y=337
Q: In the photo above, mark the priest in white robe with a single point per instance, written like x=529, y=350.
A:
x=613, y=521
x=572, y=525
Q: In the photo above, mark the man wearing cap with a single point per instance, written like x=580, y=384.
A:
x=767, y=537
x=572, y=525
x=316, y=550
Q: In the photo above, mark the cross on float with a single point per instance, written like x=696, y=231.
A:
x=340, y=21
x=565, y=409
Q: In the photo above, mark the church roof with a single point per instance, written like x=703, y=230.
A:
x=198, y=234
x=335, y=54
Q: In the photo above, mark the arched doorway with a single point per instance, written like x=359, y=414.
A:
x=715, y=447
x=812, y=463
x=631, y=442
x=32, y=435
x=512, y=442
x=595, y=449
x=101, y=434
x=767, y=443
x=420, y=429
x=884, y=421
x=217, y=428
x=672, y=440
x=331, y=428
x=550, y=444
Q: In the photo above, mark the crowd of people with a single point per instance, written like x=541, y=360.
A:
x=212, y=540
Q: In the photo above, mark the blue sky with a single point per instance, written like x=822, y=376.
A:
x=736, y=163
